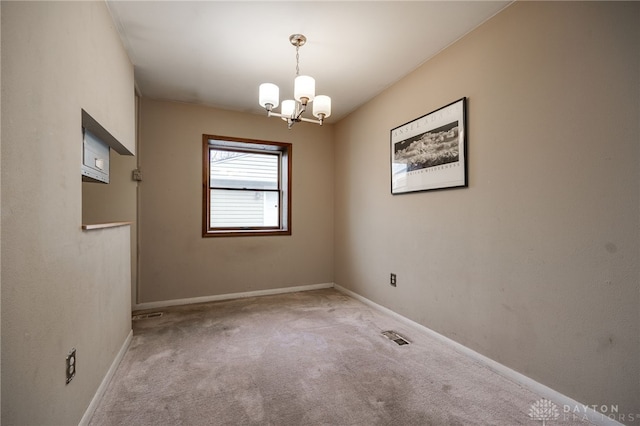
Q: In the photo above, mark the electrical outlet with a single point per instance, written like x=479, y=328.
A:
x=392, y=280
x=71, y=365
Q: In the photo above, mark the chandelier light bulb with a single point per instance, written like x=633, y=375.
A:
x=322, y=106
x=304, y=87
x=288, y=108
x=269, y=94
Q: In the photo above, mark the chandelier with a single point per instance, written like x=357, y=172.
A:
x=304, y=90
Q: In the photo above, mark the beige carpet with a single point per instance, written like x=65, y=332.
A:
x=309, y=358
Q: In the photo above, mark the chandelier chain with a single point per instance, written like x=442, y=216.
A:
x=297, y=60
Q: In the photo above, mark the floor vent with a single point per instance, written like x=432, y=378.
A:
x=392, y=335
x=147, y=316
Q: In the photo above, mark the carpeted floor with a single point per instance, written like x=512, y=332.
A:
x=309, y=358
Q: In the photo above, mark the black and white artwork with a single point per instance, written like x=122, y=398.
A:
x=430, y=152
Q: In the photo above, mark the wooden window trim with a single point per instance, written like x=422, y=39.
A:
x=286, y=150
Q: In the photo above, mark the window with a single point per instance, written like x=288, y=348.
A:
x=246, y=188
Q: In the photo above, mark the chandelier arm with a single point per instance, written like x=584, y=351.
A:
x=293, y=121
x=275, y=114
x=311, y=120
x=300, y=109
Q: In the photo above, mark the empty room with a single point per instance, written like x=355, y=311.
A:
x=320, y=213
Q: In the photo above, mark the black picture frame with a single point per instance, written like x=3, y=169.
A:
x=430, y=152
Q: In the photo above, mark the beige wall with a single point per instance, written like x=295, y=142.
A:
x=535, y=265
x=175, y=261
x=61, y=287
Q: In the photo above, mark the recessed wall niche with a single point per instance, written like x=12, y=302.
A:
x=108, y=191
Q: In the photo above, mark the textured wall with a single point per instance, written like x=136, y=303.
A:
x=536, y=263
x=175, y=261
x=61, y=287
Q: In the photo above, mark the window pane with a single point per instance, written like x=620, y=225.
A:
x=234, y=209
x=247, y=189
x=243, y=170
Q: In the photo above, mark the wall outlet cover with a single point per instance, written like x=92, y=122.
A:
x=71, y=365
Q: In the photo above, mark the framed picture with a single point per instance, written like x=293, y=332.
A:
x=430, y=152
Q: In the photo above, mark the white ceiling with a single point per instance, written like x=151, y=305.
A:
x=218, y=52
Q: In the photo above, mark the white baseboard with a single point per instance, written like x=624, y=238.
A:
x=204, y=299
x=105, y=382
x=580, y=411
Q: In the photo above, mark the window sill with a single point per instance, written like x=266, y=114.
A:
x=91, y=227
x=247, y=233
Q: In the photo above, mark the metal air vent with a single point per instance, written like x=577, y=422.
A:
x=147, y=316
x=392, y=335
